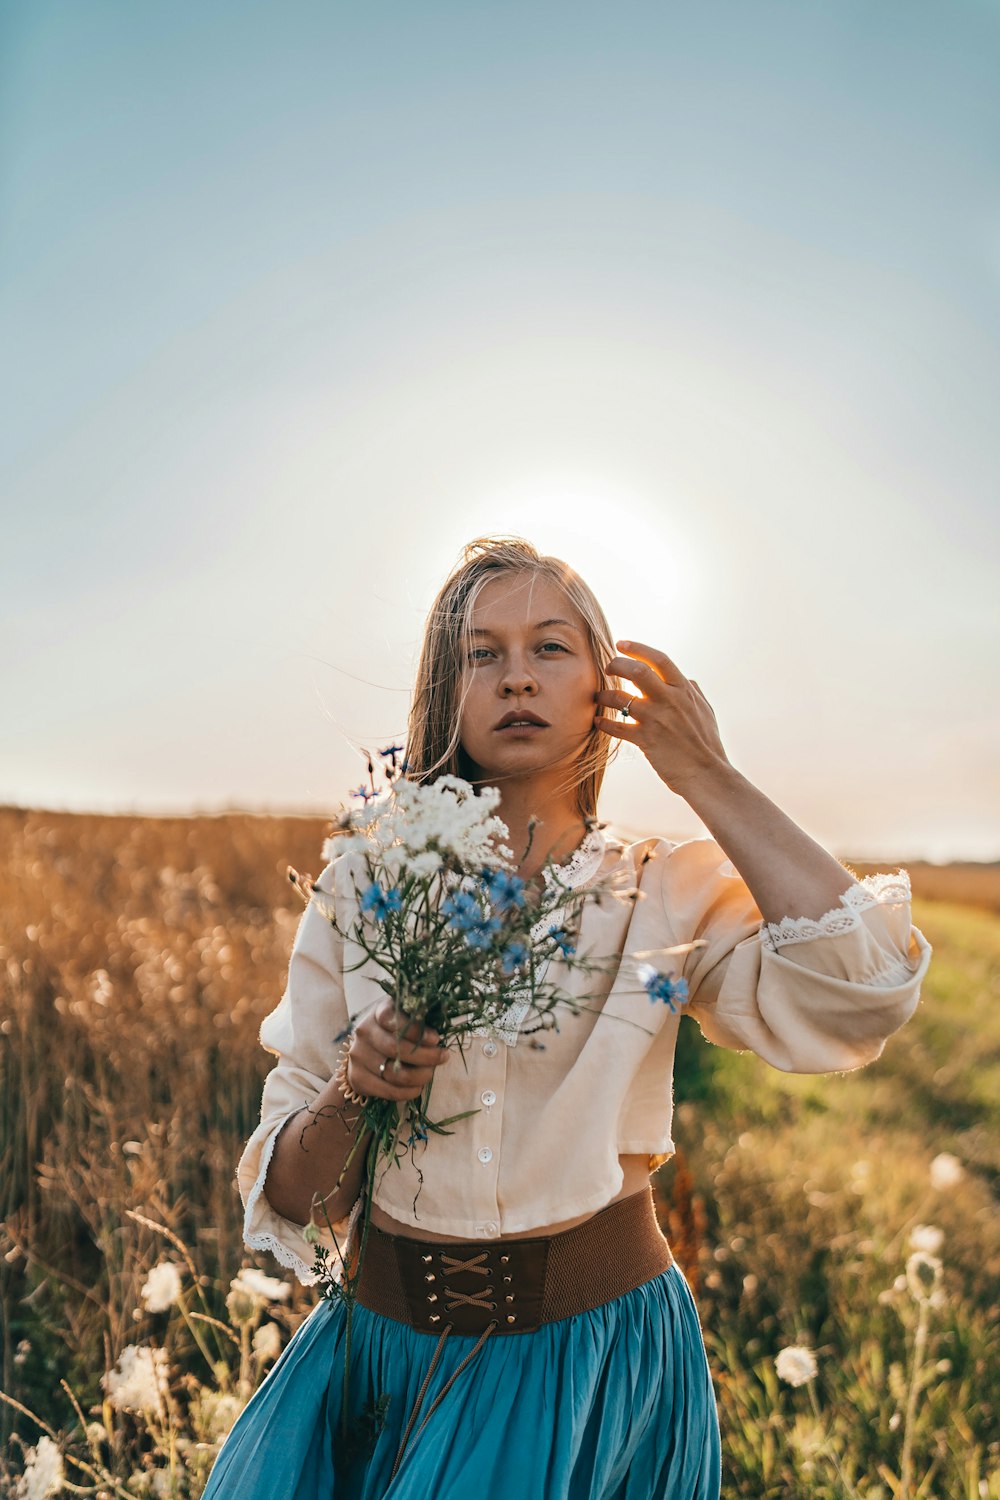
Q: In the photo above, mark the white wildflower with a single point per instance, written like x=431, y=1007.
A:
x=160, y=1484
x=795, y=1364
x=427, y=863
x=927, y=1237
x=267, y=1341
x=256, y=1283
x=895, y=1420
x=139, y=1381
x=216, y=1413
x=923, y=1275
x=162, y=1286
x=946, y=1171
x=96, y=1433
x=43, y=1472
x=807, y=1436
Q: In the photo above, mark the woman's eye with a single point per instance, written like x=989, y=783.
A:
x=557, y=644
x=476, y=653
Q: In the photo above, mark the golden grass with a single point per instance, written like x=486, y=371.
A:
x=137, y=960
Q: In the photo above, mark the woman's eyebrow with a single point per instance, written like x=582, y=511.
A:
x=542, y=625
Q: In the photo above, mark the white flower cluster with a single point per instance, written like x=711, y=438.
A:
x=412, y=827
x=43, y=1472
x=139, y=1381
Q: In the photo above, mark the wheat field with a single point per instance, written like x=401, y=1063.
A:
x=138, y=956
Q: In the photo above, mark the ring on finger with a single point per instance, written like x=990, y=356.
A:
x=626, y=711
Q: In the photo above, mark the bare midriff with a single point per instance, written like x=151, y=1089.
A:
x=635, y=1171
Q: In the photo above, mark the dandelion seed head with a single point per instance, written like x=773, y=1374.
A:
x=926, y=1237
x=267, y=1341
x=795, y=1364
x=162, y=1287
x=946, y=1171
x=43, y=1474
x=258, y=1284
x=139, y=1380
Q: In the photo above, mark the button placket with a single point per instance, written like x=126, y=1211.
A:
x=485, y=1142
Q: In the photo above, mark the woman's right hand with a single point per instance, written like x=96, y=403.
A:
x=384, y=1034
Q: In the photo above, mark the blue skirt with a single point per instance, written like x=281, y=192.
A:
x=612, y=1404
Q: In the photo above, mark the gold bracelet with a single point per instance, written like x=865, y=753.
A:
x=340, y=1075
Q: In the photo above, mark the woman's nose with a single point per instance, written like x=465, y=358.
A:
x=518, y=679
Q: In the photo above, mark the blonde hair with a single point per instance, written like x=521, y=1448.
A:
x=433, y=746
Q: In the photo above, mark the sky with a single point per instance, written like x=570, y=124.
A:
x=297, y=300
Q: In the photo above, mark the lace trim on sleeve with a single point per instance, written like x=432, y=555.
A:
x=870, y=890
x=262, y=1239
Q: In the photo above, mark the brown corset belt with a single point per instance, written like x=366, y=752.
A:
x=513, y=1285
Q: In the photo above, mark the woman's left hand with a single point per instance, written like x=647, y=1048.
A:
x=675, y=724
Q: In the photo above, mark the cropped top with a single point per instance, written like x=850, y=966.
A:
x=807, y=996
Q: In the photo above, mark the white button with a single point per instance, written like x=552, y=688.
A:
x=488, y=1096
x=485, y=1154
x=490, y=1048
x=490, y=1227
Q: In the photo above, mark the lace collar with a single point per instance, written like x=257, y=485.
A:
x=582, y=865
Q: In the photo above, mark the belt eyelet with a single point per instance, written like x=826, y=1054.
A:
x=511, y=1317
x=435, y=1317
x=508, y=1278
x=509, y=1297
x=426, y=1258
x=432, y=1296
x=430, y=1276
x=504, y=1259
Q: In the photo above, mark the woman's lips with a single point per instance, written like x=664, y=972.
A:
x=522, y=729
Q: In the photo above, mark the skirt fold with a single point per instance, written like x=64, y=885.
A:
x=612, y=1404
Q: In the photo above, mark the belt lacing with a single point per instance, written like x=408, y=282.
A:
x=494, y=1322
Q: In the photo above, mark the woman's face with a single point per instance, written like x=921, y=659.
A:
x=529, y=659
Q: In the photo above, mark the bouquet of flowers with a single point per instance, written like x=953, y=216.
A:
x=459, y=942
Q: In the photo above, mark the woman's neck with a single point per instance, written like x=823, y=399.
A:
x=559, y=829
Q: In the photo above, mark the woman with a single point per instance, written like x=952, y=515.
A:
x=538, y=1207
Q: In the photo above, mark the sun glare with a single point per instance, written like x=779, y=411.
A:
x=632, y=550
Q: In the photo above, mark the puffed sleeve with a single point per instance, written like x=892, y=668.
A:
x=807, y=995
x=304, y=1032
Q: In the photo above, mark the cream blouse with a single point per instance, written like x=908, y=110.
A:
x=807, y=996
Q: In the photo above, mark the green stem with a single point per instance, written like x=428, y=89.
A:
x=906, y=1460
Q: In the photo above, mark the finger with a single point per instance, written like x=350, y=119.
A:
x=620, y=730
x=666, y=669
x=618, y=698
x=364, y=1075
x=646, y=678
x=414, y=1054
x=409, y=1027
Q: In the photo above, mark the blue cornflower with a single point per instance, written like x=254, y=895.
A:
x=661, y=987
x=514, y=956
x=417, y=1134
x=505, y=889
x=363, y=791
x=463, y=910
x=381, y=902
x=393, y=750
x=481, y=933
x=561, y=938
